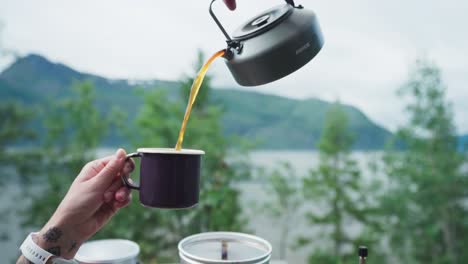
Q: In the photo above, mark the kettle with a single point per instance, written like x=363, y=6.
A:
x=273, y=44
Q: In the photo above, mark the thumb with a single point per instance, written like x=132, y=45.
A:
x=106, y=176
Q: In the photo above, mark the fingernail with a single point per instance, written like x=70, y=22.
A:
x=119, y=195
x=108, y=197
x=120, y=154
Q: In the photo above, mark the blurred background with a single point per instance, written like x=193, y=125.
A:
x=365, y=145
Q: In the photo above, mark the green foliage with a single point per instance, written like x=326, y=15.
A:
x=336, y=138
x=15, y=165
x=336, y=187
x=283, y=203
x=75, y=129
x=14, y=120
x=18, y=164
x=76, y=126
x=427, y=218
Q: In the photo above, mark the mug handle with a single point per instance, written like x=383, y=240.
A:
x=125, y=179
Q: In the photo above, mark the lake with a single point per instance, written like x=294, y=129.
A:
x=253, y=195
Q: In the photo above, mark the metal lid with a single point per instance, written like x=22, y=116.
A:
x=262, y=22
x=224, y=247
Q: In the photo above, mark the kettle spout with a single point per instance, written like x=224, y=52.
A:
x=233, y=46
x=228, y=54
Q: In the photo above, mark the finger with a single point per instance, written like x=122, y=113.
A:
x=116, y=184
x=92, y=168
x=123, y=204
x=108, y=197
x=122, y=194
x=106, y=176
x=231, y=4
x=109, y=194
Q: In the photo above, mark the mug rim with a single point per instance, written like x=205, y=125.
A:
x=171, y=151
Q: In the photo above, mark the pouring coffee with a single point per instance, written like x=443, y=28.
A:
x=266, y=48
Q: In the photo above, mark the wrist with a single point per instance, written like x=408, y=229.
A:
x=31, y=252
x=59, y=239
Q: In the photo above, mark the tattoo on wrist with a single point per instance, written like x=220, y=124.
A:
x=52, y=235
x=55, y=251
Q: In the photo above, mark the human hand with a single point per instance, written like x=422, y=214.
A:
x=94, y=197
x=231, y=4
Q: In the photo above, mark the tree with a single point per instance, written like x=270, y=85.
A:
x=157, y=125
x=75, y=129
x=284, y=202
x=16, y=131
x=14, y=121
x=427, y=185
x=15, y=164
x=337, y=188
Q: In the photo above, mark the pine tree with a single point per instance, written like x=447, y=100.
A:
x=428, y=220
x=284, y=202
x=337, y=188
x=15, y=164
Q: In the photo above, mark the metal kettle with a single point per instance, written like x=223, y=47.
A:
x=273, y=44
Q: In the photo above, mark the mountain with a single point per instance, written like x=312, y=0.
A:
x=276, y=122
x=287, y=123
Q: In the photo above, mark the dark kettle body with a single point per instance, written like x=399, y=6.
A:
x=277, y=48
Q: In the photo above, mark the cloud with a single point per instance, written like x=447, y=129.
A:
x=370, y=45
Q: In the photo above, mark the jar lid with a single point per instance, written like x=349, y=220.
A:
x=262, y=22
x=224, y=247
x=107, y=251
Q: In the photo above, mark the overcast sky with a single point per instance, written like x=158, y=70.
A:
x=369, y=48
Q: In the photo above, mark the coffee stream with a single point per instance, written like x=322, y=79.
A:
x=193, y=95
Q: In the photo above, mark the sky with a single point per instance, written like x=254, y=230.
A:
x=370, y=45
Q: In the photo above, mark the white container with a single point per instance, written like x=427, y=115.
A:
x=108, y=251
x=224, y=247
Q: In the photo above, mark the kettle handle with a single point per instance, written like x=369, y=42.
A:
x=228, y=38
x=232, y=43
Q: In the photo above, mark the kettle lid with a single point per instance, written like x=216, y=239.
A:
x=262, y=22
